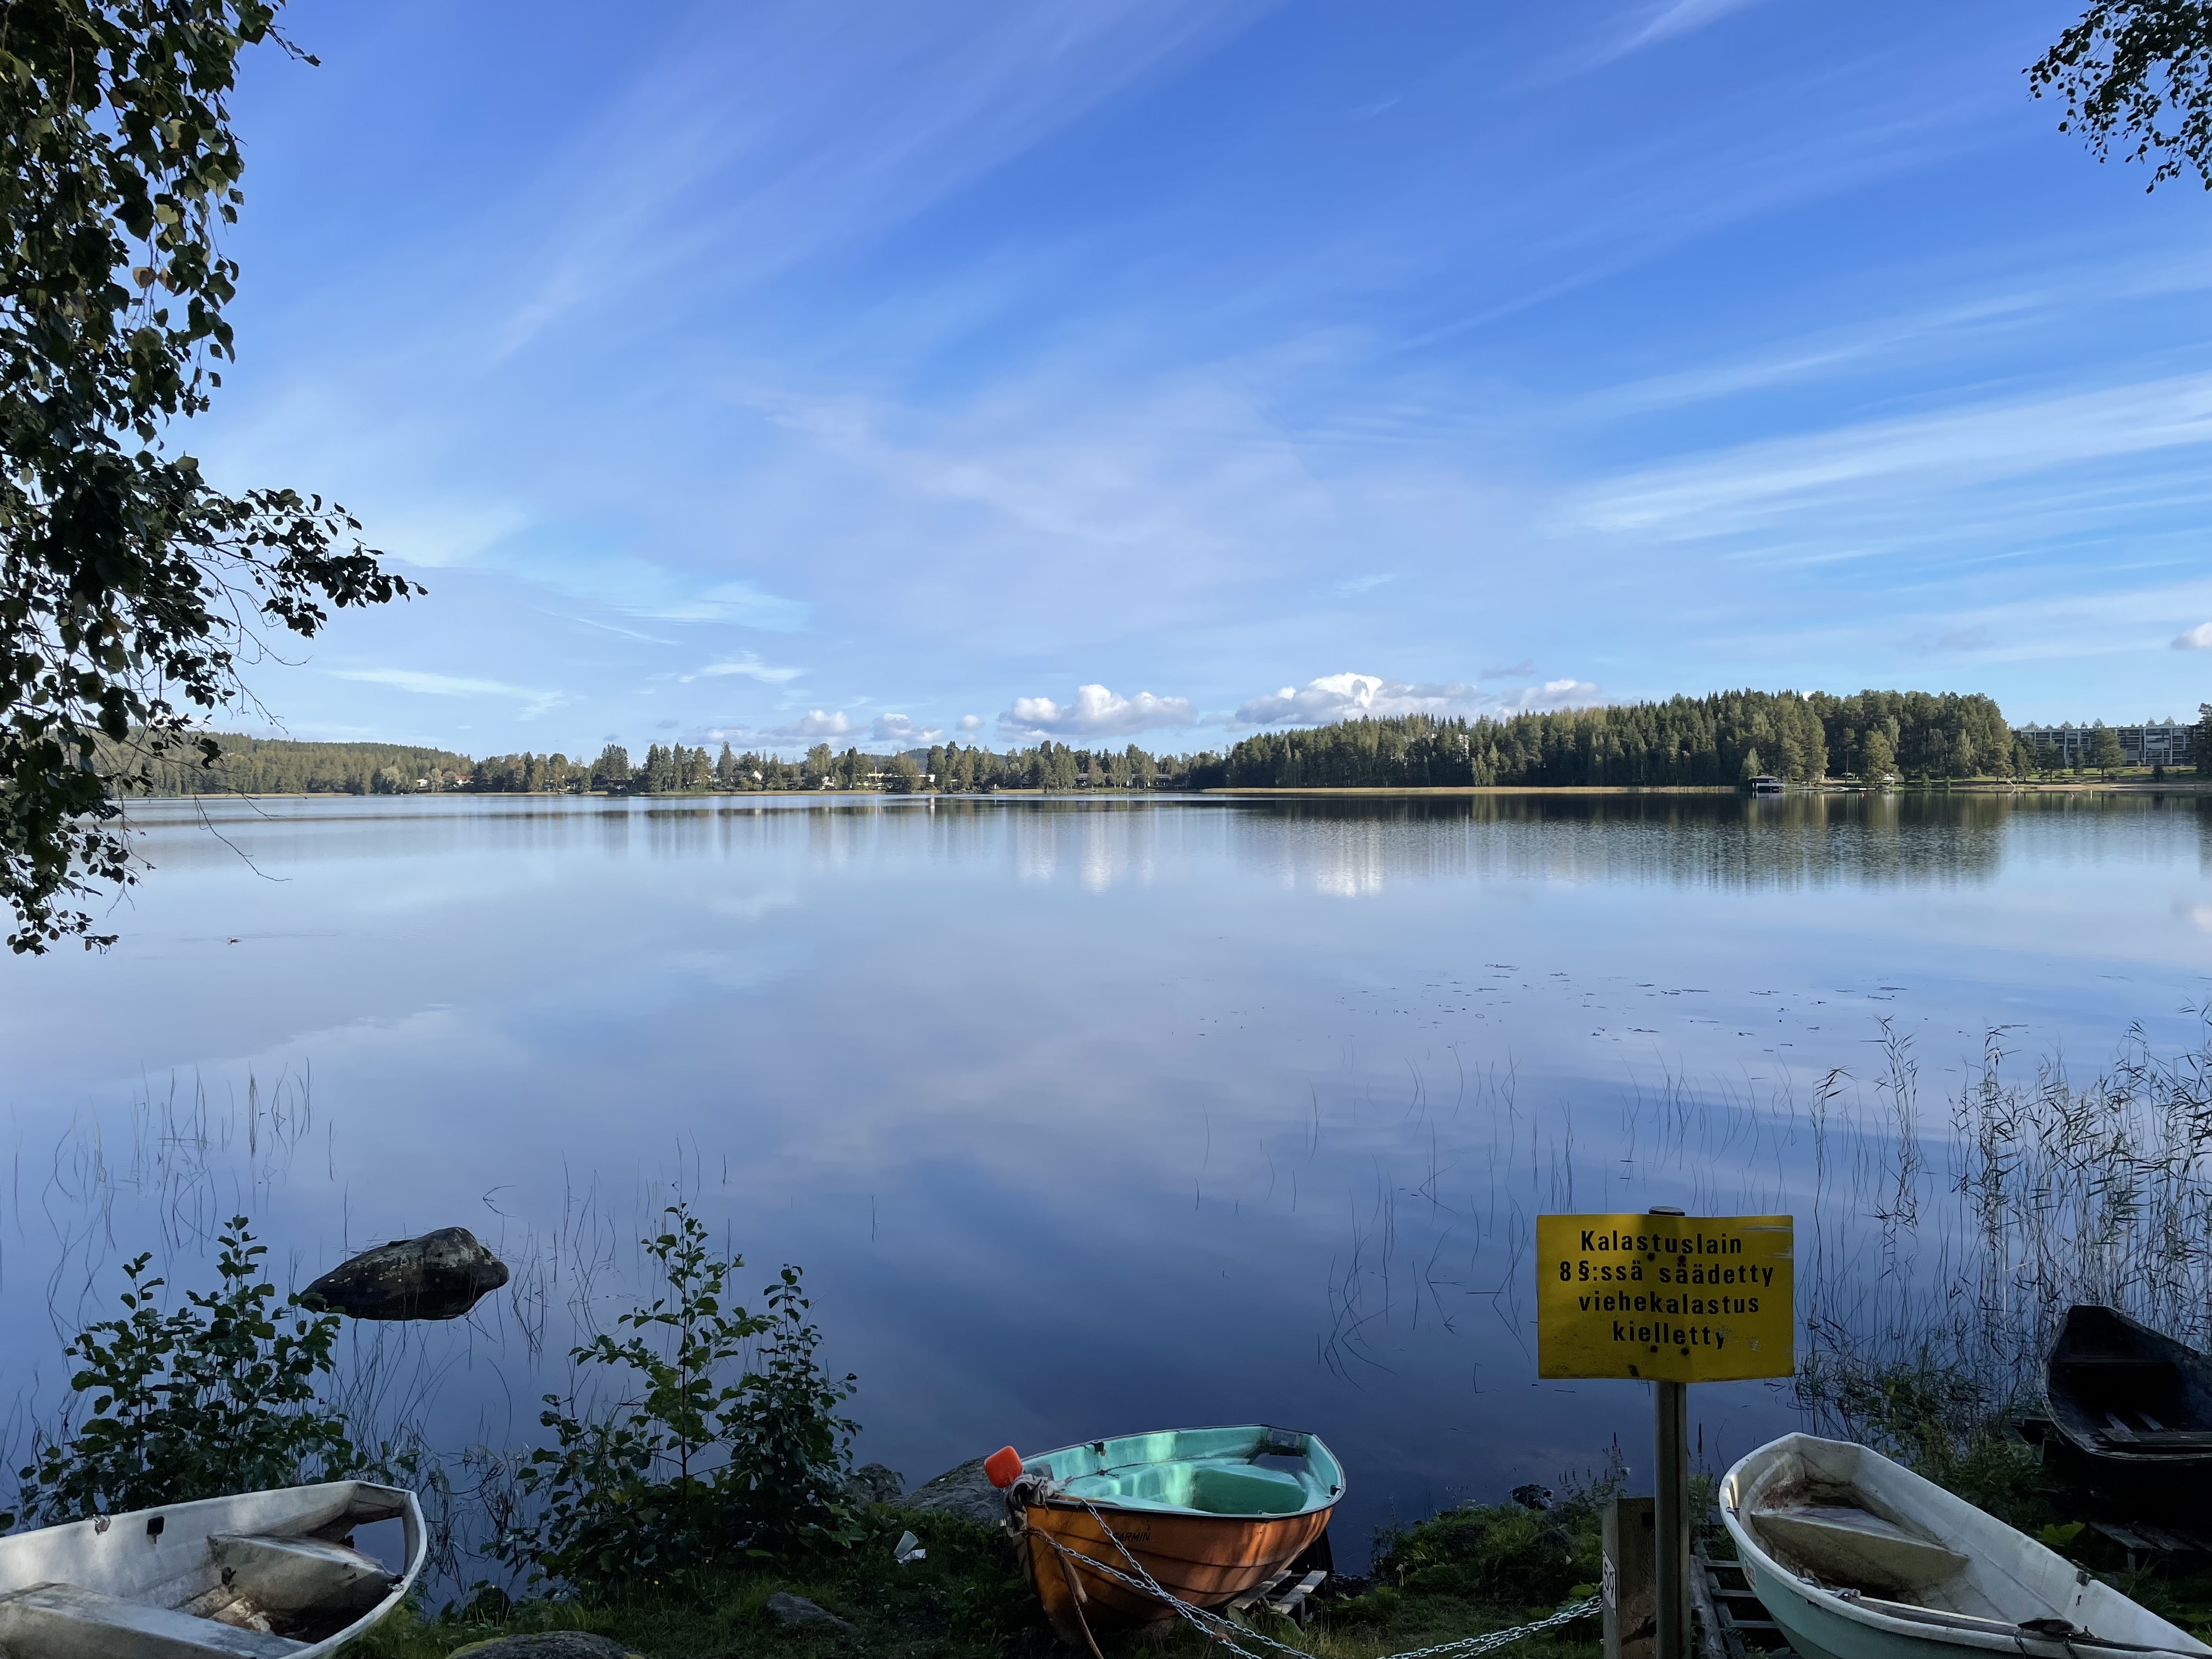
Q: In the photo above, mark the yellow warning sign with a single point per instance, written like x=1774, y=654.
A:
x=1667, y=1298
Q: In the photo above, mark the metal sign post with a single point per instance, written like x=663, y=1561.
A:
x=1670, y=1448
x=1669, y=1299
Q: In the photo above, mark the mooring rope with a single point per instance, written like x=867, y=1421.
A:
x=1218, y=1628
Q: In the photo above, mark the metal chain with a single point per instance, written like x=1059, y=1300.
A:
x=1218, y=1628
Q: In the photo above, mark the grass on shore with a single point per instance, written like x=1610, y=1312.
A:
x=1467, y=1571
x=1451, y=1575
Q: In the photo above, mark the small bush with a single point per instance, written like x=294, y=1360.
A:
x=700, y=1462
x=1497, y=1555
x=218, y=1397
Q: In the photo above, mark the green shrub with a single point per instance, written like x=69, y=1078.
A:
x=700, y=1463
x=1943, y=1424
x=1498, y=1555
x=789, y=1449
x=218, y=1397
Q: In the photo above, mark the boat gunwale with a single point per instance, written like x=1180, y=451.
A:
x=1079, y=1506
x=1055, y=1500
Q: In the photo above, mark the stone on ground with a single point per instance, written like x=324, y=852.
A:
x=549, y=1644
x=789, y=1609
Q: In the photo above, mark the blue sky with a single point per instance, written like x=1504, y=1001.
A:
x=1159, y=369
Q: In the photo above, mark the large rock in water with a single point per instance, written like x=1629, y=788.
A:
x=966, y=1490
x=440, y=1275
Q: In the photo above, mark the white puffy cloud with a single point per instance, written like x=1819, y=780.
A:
x=1368, y=697
x=813, y=725
x=1095, y=712
x=2198, y=638
x=897, y=728
x=971, y=722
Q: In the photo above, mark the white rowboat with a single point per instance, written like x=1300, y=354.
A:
x=262, y=1575
x=1857, y=1557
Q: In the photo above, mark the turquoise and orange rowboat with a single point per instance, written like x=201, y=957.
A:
x=1208, y=1514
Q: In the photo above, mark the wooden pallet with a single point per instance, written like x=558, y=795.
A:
x=1734, y=1621
x=2146, y=1545
x=1280, y=1594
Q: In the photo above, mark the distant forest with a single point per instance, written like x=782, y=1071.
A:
x=1728, y=737
x=1718, y=741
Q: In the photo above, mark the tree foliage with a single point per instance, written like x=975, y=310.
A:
x=132, y=589
x=1714, y=741
x=2136, y=79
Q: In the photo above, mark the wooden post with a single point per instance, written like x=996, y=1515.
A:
x=1670, y=1446
x=1631, y=1622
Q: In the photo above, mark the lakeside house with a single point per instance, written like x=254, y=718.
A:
x=2155, y=743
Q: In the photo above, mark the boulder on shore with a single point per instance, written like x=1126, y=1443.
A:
x=874, y=1483
x=549, y=1644
x=440, y=1275
x=965, y=1491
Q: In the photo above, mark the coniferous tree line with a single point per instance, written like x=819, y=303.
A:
x=1725, y=739
x=1718, y=741
x=277, y=766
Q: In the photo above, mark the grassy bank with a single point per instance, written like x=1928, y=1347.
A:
x=1455, y=1575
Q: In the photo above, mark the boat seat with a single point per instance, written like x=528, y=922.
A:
x=1844, y=1544
x=62, y=1621
x=2117, y=1433
x=294, y=1575
x=1207, y=1485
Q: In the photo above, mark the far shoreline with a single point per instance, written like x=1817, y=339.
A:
x=1962, y=786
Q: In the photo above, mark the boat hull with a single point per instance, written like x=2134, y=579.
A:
x=1966, y=1584
x=2108, y=1380
x=1207, y=1560
x=209, y=1575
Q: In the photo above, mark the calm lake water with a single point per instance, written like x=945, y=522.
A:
x=1083, y=1117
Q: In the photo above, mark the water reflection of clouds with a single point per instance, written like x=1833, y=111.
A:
x=1015, y=1133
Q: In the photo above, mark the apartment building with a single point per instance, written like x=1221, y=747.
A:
x=2155, y=743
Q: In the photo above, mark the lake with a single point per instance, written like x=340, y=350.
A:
x=1083, y=1115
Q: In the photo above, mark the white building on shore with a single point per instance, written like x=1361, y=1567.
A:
x=2155, y=743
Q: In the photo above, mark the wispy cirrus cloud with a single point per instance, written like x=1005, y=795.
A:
x=744, y=602
x=534, y=701
x=749, y=665
x=1667, y=22
x=1368, y=584
x=1095, y=712
x=1755, y=484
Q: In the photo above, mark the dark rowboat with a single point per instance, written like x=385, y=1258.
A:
x=2132, y=1409
x=1209, y=1514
